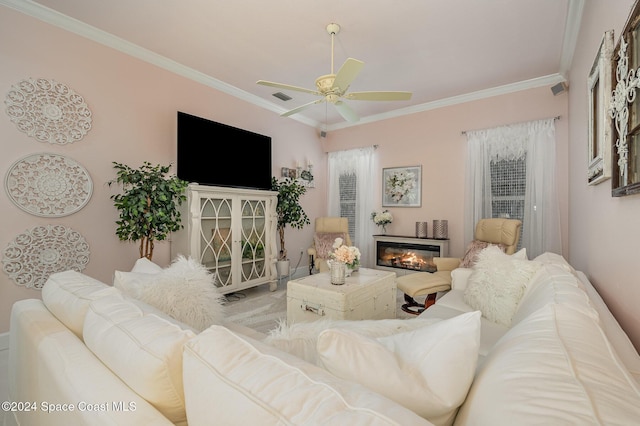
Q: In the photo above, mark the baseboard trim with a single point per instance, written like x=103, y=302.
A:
x=4, y=341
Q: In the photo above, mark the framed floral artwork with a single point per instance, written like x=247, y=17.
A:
x=401, y=186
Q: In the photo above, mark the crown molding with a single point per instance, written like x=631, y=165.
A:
x=65, y=22
x=454, y=100
x=82, y=29
x=572, y=29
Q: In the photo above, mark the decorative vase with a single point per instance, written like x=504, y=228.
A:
x=384, y=229
x=421, y=229
x=283, y=268
x=441, y=229
x=338, y=272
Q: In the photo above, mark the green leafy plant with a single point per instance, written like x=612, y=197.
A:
x=148, y=204
x=289, y=210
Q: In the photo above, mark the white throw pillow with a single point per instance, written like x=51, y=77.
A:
x=185, y=291
x=300, y=339
x=428, y=370
x=497, y=284
x=145, y=265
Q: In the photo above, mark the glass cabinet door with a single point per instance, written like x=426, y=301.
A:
x=253, y=241
x=216, y=237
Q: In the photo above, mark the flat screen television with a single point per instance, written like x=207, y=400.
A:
x=211, y=153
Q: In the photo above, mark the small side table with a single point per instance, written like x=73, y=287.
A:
x=366, y=294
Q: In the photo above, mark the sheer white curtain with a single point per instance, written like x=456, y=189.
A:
x=535, y=140
x=361, y=163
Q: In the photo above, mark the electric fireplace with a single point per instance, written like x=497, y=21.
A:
x=398, y=253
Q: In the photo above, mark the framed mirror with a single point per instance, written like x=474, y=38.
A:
x=600, y=121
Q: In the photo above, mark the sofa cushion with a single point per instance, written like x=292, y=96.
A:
x=553, y=284
x=144, y=350
x=428, y=370
x=247, y=381
x=497, y=284
x=67, y=296
x=185, y=290
x=300, y=338
x=549, y=258
x=554, y=367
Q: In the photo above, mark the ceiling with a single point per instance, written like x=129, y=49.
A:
x=444, y=51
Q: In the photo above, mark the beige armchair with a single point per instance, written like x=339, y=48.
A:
x=505, y=232
x=327, y=229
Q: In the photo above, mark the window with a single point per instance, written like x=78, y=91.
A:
x=511, y=174
x=349, y=195
x=348, y=192
x=508, y=187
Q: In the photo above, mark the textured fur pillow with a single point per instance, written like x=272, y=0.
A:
x=497, y=284
x=323, y=242
x=185, y=291
x=473, y=250
x=300, y=338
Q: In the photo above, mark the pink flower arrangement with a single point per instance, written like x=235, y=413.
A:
x=345, y=254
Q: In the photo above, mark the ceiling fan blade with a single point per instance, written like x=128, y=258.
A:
x=378, y=96
x=288, y=87
x=301, y=107
x=347, y=73
x=346, y=112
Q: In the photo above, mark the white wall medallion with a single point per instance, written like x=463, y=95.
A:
x=48, y=185
x=48, y=111
x=41, y=251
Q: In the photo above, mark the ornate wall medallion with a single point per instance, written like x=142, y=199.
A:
x=48, y=111
x=41, y=251
x=48, y=185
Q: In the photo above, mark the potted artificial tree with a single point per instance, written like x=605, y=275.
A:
x=149, y=204
x=289, y=212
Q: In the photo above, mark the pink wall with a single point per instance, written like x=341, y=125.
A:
x=434, y=140
x=134, y=106
x=604, y=231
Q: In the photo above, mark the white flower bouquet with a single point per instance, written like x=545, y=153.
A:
x=382, y=218
x=349, y=255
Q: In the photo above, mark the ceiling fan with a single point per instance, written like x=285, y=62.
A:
x=333, y=87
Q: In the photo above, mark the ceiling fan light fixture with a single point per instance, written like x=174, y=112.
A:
x=332, y=88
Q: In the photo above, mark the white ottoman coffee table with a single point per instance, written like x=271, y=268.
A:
x=367, y=294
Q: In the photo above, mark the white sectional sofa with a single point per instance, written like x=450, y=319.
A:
x=87, y=354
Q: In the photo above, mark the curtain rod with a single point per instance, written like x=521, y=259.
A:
x=557, y=117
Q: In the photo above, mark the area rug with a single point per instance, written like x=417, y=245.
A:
x=262, y=310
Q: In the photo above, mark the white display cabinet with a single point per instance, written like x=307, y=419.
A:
x=232, y=231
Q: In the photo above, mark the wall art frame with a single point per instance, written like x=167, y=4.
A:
x=599, y=86
x=48, y=111
x=402, y=186
x=625, y=109
x=48, y=185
